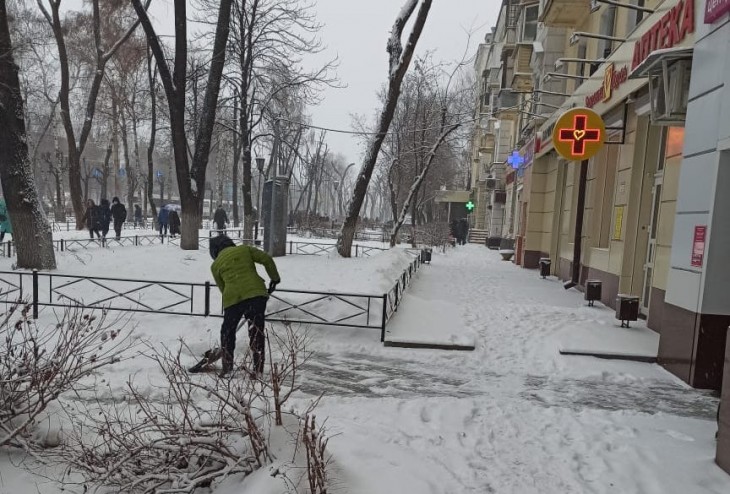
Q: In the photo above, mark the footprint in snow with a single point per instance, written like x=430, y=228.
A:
x=679, y=436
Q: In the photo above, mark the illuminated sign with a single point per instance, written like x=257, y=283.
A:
x=579, y=134
x=515, y=160
x=612, y=79
x=714, y=9
x=667, y=32
x=469, y=206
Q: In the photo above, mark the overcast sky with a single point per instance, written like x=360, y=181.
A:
x=357, y=31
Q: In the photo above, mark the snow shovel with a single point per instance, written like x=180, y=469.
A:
x=211, y=356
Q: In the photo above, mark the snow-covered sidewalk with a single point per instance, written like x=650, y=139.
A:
x=514, y=416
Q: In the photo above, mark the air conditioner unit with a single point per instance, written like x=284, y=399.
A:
x=595, y=5
x=669, y=92
x=491, y=183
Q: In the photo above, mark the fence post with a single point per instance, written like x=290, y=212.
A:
x=356, y=250
x=136, y=240
x=62, y=245
x=207, y=298
x=291, y=248
x=35, y=294
x=385, y=316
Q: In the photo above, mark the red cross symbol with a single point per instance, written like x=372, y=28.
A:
x=579, y=135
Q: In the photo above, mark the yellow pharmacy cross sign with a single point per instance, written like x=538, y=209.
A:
x=579, y=134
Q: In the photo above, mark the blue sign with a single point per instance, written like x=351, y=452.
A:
x=96, y=173
x=158, y=174
x=515, y=160
x=122, y=172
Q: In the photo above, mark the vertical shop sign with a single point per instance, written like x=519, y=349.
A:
x=698, y=246
x=618, y=222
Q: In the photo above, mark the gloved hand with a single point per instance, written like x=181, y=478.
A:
x=272, y=286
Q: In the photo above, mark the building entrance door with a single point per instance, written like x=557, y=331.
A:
x=656, y=199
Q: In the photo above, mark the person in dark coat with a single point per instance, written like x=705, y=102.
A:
x=464, y=230
x=220, y=218
x=174, y=220
x=137, y=216
x=162, y=219
x=91, y=220
x=119, y=215
x=103, y=217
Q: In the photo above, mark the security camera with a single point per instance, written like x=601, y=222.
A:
x=558, y=65
x=574, y=38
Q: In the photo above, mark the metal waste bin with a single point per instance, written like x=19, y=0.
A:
x=426, y=255
x=594, y=288
x=627, y=309
x=545, y=267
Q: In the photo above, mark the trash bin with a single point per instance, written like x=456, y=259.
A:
x=545, y=267
x=426, y=255
x=627, y=309
x=593, y=291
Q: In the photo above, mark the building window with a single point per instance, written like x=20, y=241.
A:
x=603, y=190
x=529, y=23
x=608, y=23
x=635, y=16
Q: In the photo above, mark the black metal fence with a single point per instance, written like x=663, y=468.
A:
x=394, y=297
x=351, y=310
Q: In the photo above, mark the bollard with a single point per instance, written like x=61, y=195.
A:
x=385, y=316
x=35, y=294
x=207, y=298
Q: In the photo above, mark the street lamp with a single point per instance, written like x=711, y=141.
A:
x=260, y=162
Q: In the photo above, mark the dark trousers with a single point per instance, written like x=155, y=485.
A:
x=254, y=309
x=118, y=228
x=163, y=228
x=92, y=231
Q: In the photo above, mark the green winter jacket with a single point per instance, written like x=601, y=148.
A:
x=5, y=225
x=234, y=271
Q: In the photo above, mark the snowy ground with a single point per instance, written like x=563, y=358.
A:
x=511, y=417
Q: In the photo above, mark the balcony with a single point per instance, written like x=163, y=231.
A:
x=565, y=13
x=486, y=143
x=522, y=81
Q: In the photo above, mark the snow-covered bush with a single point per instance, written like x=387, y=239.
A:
x=193, y=430
x=40, y=362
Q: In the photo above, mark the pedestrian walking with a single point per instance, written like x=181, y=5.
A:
x=244, y=295
x=104, y=217
x=162, y=220
x=5, y=225
x=91, y=219
x=138, y=216
x=174, y=220
x=464, y=230
x=119, y=215
x=220, y=218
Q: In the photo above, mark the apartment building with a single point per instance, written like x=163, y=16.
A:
x=655, y=220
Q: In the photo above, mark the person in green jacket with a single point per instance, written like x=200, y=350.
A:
x=5, y=226
x=244, y=294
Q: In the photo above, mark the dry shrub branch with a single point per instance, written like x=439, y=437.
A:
x=40, y=362
x=184, y=431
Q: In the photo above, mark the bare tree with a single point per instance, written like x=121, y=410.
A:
x=190, y=176
x=104, y=51
x=399, y=60
x=31, y=232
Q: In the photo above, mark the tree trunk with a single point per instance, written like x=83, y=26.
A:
x=236, y=158
x=190, y=179
x=151, y=146
x=400, y=59
x=32, y=233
